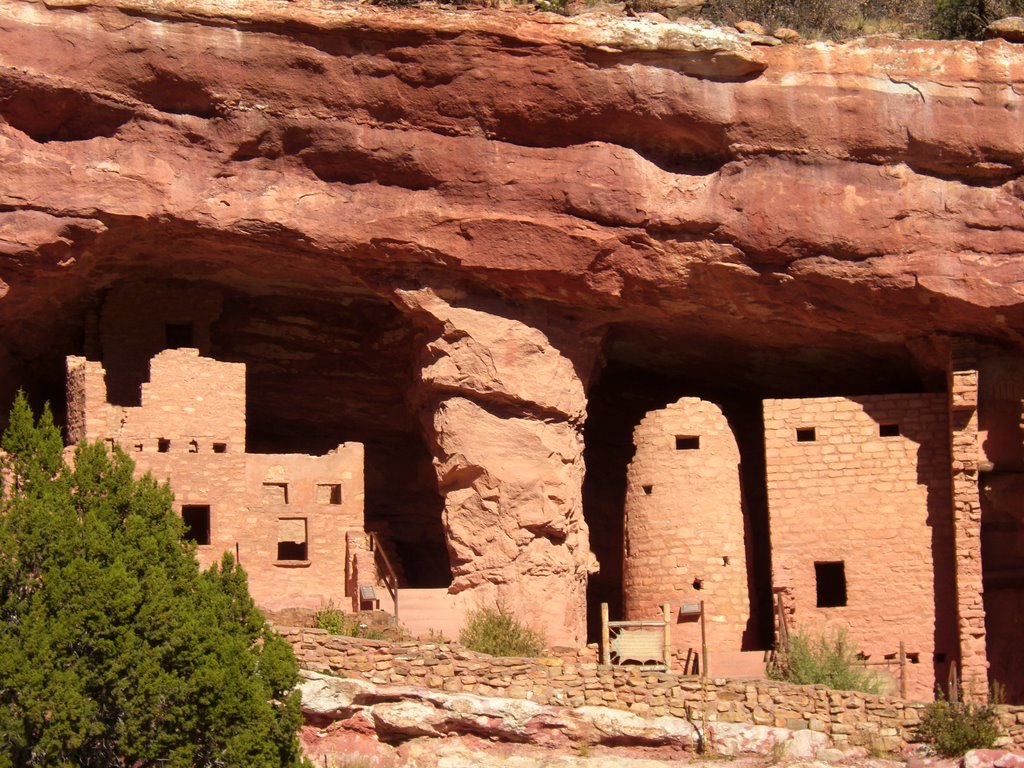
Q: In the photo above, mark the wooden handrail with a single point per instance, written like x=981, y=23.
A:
x=390, y=577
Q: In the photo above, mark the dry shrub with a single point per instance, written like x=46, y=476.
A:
x=833, y=19
x=829, y=660
x=499, y=632
x=968, y=18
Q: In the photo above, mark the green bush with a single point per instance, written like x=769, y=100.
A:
x=115, y=649
x=959, y=18
x=826, y=659
x=952, y=728
x=499, y=632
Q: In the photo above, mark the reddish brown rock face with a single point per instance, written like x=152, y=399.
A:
x=698, y=215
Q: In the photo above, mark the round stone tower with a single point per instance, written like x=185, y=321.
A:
x=684, y=531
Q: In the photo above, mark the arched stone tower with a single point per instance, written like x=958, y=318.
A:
x=684, y=535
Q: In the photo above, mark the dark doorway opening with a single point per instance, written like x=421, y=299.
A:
x=197, y=522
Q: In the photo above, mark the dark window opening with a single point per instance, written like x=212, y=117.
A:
x=197, y=522
x=328, y=493
x=163, y=445
x=648, y=490
x=220, y=447
x=178, y=335
x=698, y=584
x=138, y=447
x=830, y=579
x=888, y=430
x=806, y=435
x=291, y=539
x=687, y=443
x=193, y=446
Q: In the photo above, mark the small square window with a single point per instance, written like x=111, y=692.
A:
x=291, y=539
x=275, y=493
x=806, y=435
x=193, y=446
x=328, y=493
x=830, y=580
x=197, y=522
x=687, y=443
x=220, y=447
x=178, y=335
x=163, y=445
x=139, y=447
x=648, y=489
x=888, y=430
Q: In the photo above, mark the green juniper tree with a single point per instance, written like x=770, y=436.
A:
x=114, y=648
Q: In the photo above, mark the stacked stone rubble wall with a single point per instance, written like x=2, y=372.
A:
x=967, y=526
x=849, y=718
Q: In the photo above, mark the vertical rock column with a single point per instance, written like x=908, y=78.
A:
x=503, y=412
x=967, y=526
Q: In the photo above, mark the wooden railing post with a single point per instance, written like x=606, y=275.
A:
x=668, y=637
x=903, y=670
x=703, y=644
x=606, y=651
x=390, y=577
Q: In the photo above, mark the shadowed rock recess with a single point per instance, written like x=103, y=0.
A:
x=485, y=244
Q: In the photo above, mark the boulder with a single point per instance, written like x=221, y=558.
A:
x=751, y=28
x=1010, y=29
x=993, y=758
x=740, y=738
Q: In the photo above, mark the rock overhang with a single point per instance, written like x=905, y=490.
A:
x=857, y=198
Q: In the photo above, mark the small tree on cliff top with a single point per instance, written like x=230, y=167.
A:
x=114, y=648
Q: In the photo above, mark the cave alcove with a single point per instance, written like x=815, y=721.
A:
x=646, y=368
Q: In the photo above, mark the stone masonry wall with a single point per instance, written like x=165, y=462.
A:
x=684, y=524
x=189, y=399
x=848, y=717
x=861, y=486
x=190, y=431
x=966, y=453
x=133, y=327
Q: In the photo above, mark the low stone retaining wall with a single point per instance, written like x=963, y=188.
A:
x=849, y=718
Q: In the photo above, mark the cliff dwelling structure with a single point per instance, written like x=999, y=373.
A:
x=556, y=312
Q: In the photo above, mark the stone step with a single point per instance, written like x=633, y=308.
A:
x=736, y=664
x=422, y=611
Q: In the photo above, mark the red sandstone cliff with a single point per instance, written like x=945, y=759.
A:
x=567, y=192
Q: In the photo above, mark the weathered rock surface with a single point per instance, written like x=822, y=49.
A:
x=617, y=192
x=620, y=170
x=397, y=714
x=1011, y=28
x=993, y=758
x=504, y=412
